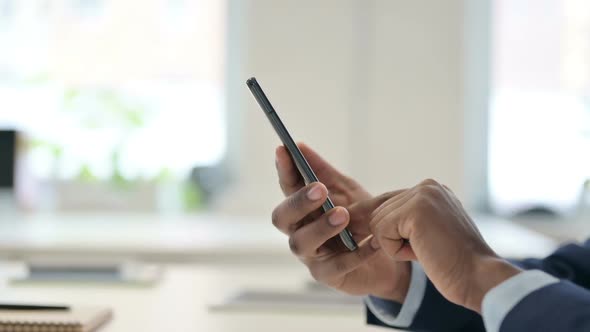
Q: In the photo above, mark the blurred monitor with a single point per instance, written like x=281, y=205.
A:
x=7, y=158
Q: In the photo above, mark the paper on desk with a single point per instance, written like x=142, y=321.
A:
x=281, y=301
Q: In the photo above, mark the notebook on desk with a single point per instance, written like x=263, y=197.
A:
x=77, y=319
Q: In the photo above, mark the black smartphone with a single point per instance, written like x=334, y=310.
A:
x=298, y=158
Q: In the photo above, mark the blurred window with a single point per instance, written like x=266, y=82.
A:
x=539, y=150
x=104, y=88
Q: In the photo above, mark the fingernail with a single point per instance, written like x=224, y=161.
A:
x=337, y=218
x=315, y=193
x=375, y=243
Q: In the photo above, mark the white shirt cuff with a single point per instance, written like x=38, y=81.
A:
x=411, y=304
x=500, y=300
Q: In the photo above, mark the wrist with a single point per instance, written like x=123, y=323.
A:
x=489, y=273
x=397, y=289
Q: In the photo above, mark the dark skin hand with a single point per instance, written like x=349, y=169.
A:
x=428, y=223
x=313, y=236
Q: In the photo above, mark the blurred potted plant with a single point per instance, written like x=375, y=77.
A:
x=100, y=109
x=97, y=109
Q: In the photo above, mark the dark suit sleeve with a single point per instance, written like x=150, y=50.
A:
x=561, y=306
x=570, y=263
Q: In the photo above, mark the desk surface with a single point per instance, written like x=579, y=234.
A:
x=201, y=238
x=180, y=301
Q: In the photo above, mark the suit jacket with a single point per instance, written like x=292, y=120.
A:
x=562, y=306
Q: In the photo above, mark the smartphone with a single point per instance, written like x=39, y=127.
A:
x=298, y=158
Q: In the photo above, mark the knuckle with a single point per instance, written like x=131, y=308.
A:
x=427, y=200
x=387, y=195
x=397, y=192
x=276, y=217
x=295, y=245
x=430, y=190
x=425, y=205
x=429, y=182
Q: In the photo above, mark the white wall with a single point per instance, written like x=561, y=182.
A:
x=376, y=86
x=415, y=113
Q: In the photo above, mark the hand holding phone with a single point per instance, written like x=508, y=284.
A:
x=300, y=162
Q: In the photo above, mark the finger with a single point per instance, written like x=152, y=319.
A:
x=394, y=233
x=405, y=253
x=389, y=198
x=361, y=212
x=384, y=224
x=324, y=170
x=287, y=215
x=289, y=178
x=364, y=208
x=390, y=205
x=307, y=240
x=319, y=164
x=341, y=264
x=386, y=236
x=429, y=182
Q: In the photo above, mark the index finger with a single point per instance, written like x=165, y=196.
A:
x=289, y=177
x=366, y=207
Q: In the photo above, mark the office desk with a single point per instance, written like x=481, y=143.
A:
x=567, y=229
x=198, y=238
x=179, y=302
x=224, y=254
